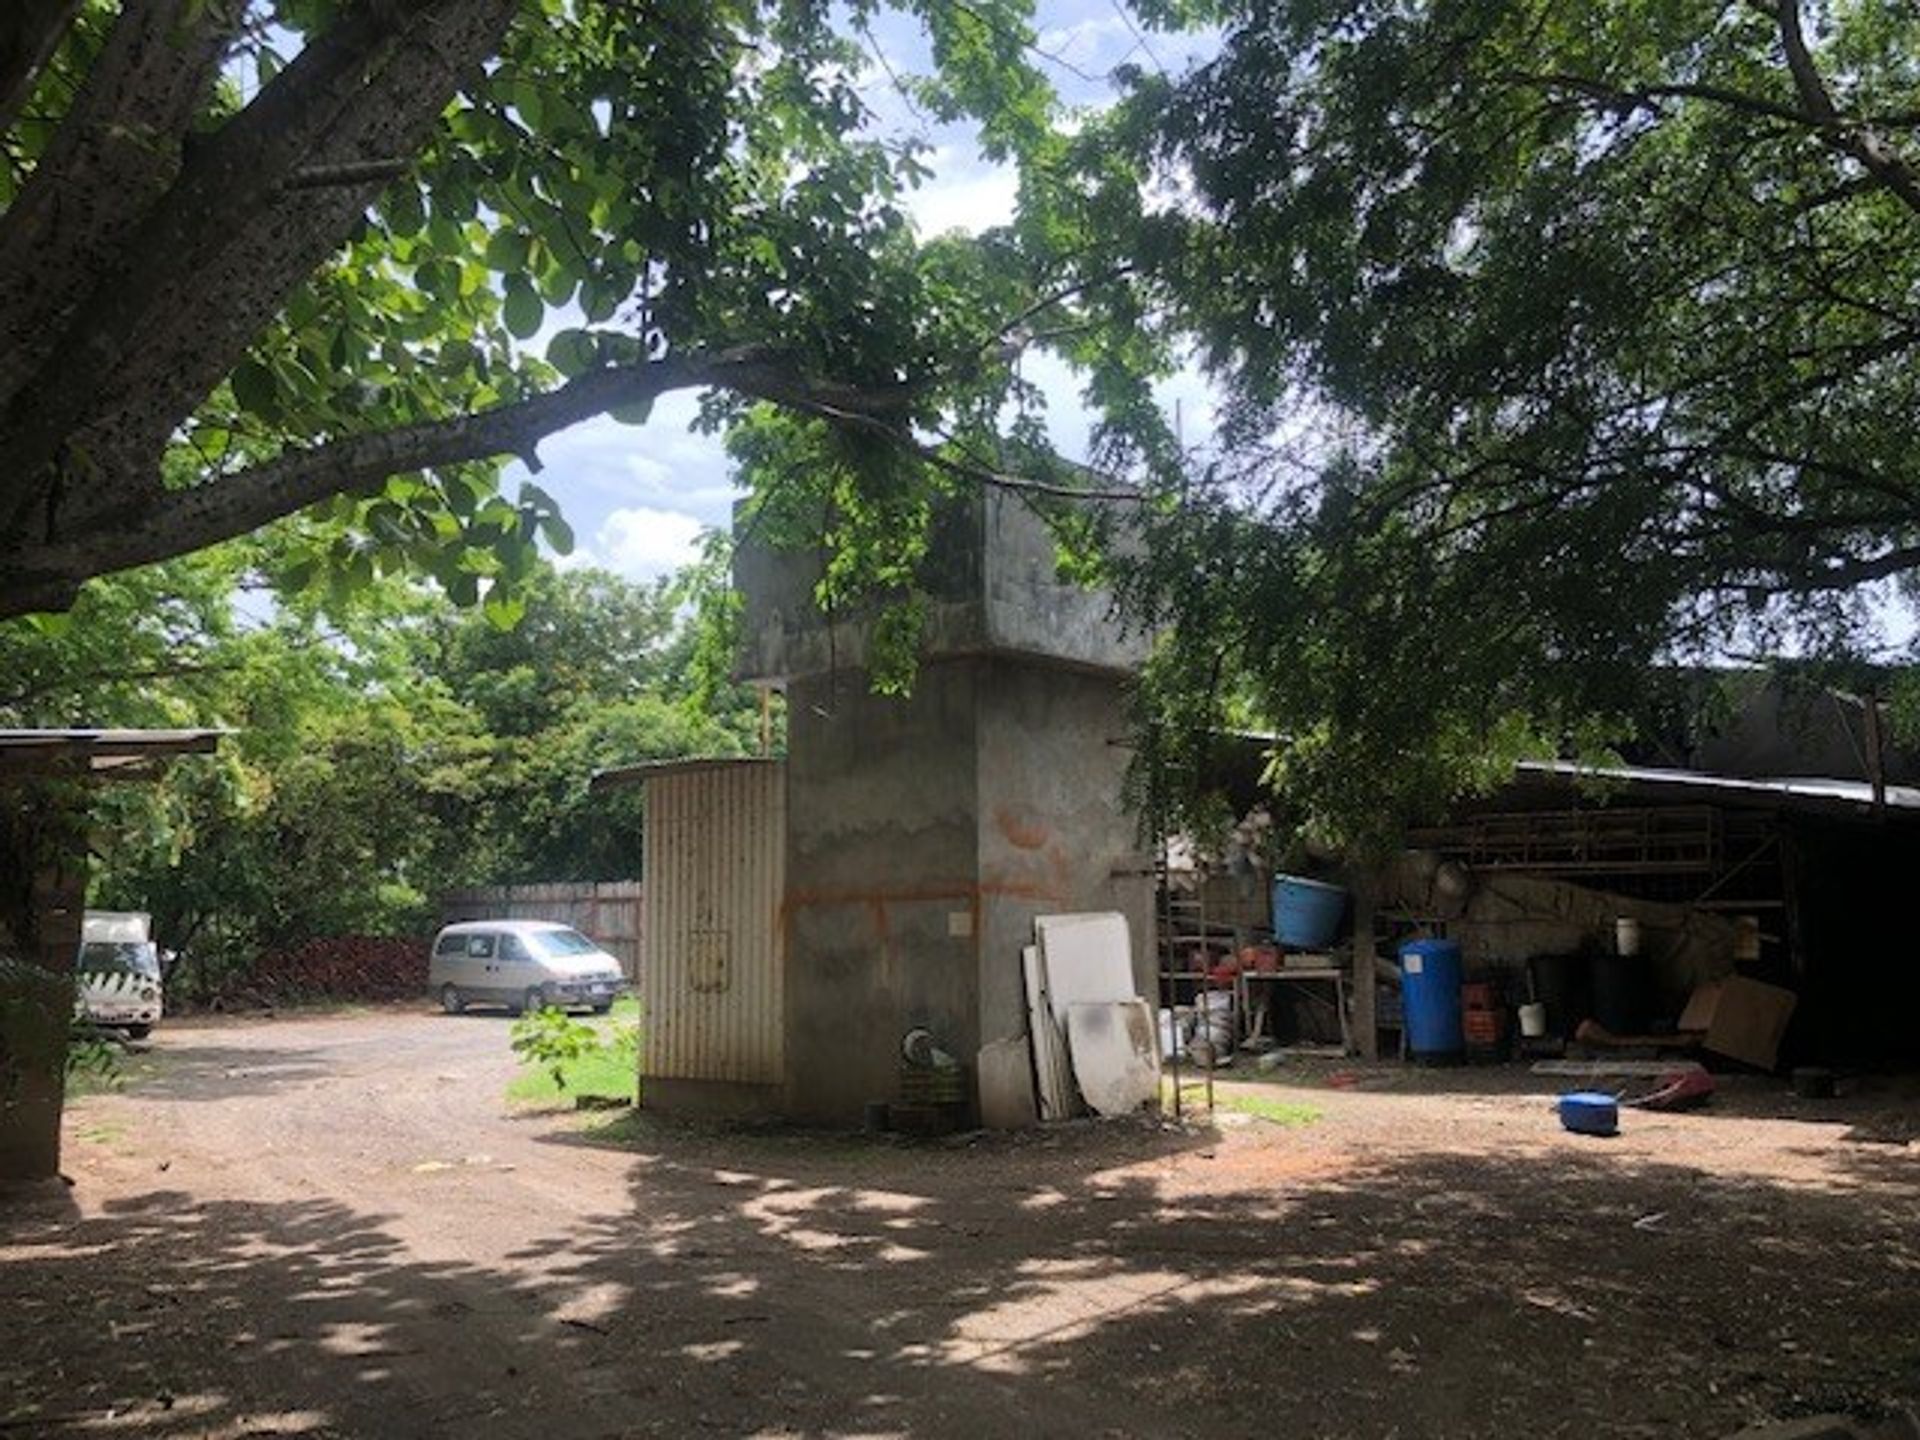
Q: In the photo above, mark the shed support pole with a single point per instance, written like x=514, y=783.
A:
x=1367, y=1031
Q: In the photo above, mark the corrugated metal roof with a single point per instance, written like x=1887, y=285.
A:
x=1816, y=790
x=102, y=749
x=652, y=769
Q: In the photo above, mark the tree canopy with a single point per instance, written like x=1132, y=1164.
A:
x=258, y=258
x=1555, y=341
x=379, y=756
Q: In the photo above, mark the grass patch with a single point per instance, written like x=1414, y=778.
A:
x=611, y=1075
x=124, y=1071
x=609, y=1072
x=1291, y=1113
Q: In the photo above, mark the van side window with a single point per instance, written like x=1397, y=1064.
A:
x=512, y=948
x=479, y=947
x=451, y=945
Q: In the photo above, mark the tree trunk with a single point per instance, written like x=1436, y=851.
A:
x=42, y=900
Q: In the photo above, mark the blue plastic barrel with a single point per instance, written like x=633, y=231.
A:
x=1306, y=913
x=1430, y=994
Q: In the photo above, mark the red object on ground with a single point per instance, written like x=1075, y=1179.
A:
x=1681, y=1090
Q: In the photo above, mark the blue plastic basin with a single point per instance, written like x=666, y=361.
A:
x=1306, y=913
x=1589, y=1112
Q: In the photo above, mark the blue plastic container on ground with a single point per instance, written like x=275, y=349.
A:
x=1306, y=913
x=1589, y=1112
x=1430, y=994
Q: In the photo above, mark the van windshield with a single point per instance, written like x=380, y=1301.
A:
x=562, y=942
x=120, y=957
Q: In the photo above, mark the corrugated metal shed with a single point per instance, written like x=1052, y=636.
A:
x=712, y=980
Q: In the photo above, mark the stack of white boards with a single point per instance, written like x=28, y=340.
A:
x=1090, y=1034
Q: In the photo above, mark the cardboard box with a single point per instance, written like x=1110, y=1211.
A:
x=1743, y=1019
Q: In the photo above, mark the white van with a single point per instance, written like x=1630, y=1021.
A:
x=521, y=964
x=118, y=972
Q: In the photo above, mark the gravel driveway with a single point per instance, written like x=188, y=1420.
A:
x=334, y=1226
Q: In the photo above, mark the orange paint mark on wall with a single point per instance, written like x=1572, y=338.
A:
x=1020, y=830
x=962, y=894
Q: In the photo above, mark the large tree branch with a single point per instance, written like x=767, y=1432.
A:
x=1844, y=575
x=1859, y=140
x=29, y=34
x=1608, y=95
x=155, y=523
x=216, y=257
x=118, y=148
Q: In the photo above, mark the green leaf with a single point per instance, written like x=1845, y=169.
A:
x=637, y=412
x=573, y=352
x=255, y=390
x=559, y=534
x=405, y=210
x=507, y=250
x=600, y=297
x=523, y=311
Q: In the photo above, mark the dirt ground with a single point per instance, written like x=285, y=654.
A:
x=333, y=1226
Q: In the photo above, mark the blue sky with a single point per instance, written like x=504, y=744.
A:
x=639, y=497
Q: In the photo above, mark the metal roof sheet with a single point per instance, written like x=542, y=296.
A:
x=1788, y=789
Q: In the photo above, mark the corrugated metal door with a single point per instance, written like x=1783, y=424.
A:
x=712, y=984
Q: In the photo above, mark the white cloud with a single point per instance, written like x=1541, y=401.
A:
x=642, y=542
x=964, y=194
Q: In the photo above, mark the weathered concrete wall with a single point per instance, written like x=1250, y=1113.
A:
x=1030, y=610
x=924, y=834
x=1053, y=835
x=882, y=881
x=993, y=585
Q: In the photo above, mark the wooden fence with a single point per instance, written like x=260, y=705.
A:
x=606, y=911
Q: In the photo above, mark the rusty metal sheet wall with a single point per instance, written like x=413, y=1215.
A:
x=712, y=992
x=607, y=912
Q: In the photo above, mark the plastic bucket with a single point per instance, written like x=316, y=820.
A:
x=1533, y=1020
x=1306, y=913
x=1564, y=984
x=1430, y=992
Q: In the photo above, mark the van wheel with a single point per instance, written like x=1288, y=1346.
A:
x=139, y=1032
x=536, y=1001
x=451, y=1000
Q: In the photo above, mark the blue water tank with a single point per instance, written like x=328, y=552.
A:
x=1306, y=913
x=1430, y=993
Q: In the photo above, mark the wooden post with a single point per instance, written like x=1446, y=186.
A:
x=1876, y=751
x=1364, y=980
x=44, y=874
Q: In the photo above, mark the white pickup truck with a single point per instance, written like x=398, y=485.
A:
x=119, y=971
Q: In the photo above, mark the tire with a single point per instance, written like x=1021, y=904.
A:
x=536, y=1000
x=139, y=1032
x=451, y=1000
x=601, y=1009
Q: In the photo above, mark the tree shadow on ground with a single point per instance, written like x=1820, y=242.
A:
x=1173, y=1283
